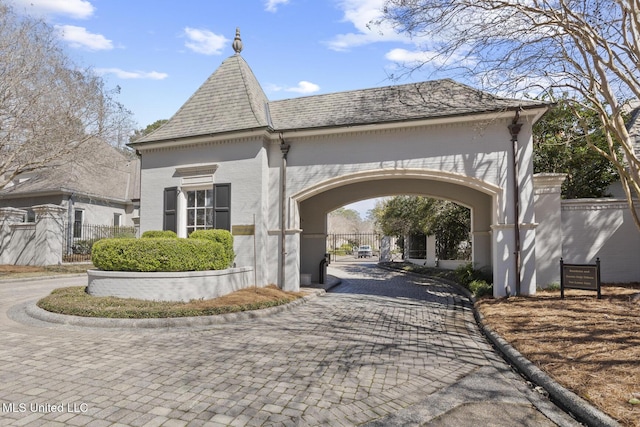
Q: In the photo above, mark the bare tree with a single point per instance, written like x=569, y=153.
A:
x=586, y=48
x=48, y=105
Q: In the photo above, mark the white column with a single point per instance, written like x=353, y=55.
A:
x=8, y=217
x=49, y=234
x=549, y=234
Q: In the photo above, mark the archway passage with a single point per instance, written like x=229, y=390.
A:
x=313, y=210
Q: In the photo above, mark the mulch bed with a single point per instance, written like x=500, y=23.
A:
x=590, y=346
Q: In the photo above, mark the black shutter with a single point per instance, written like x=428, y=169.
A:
x=222, y=206
x=170, y=221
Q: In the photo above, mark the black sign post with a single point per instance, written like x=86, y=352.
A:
x=580, y=276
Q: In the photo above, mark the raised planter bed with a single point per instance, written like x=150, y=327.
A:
x=169, y=286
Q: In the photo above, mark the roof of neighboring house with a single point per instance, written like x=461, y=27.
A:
x=231, y=100
x=95, y=169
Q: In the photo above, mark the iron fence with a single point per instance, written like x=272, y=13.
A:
x=79, y=239
x=345, y=246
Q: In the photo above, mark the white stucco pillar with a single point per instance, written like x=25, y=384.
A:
x=8, y=217
x=432, y=260
x=385, y=249
x=49, y=234
x=549, y=234
x=503, y=254
x=292, y=261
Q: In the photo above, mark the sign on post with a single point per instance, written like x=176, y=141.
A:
x=580, y=276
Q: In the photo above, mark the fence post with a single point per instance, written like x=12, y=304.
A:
x=8, y=217
x=49, y=234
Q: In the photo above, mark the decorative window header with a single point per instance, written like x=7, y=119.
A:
x=197, y=169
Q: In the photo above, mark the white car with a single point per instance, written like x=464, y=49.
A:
x=364, y=251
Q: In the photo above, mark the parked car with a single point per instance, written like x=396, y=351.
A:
x=364, y=251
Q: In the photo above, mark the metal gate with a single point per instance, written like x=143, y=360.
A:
x=352, y=246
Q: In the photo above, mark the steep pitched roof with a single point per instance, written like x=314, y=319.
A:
x=95, y=169
x=230, y=100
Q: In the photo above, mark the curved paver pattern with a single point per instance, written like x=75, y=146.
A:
x=378, y=344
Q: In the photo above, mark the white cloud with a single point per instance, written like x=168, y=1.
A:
x=418, y=57
x=272, y=5
x=122, y=74
x=79, y=37
x=361, y=13
x=204, y=41
x=303, y=87
x=78, y=9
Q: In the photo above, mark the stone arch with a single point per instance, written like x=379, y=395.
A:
x=314, y=202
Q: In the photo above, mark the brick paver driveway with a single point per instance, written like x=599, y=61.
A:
x=375, y=345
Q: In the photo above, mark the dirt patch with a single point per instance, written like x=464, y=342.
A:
x=590, y=346
x=18, y=271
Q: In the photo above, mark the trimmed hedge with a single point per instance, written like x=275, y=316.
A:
x=159, y=254
x=224, y=237
x=159, y=234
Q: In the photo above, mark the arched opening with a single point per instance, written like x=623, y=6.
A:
x=316, y=202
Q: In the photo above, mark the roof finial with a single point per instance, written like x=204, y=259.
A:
x=237, y=43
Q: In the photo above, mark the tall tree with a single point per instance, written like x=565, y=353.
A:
x=48, y=106
x=560, y=146
x=406, y=215
x=139, y=133
x=588, y=48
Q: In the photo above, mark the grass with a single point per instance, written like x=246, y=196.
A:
x=75, y=301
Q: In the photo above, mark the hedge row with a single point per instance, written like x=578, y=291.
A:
x=160, y=251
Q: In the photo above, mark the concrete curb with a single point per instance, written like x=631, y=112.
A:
x=32, y=310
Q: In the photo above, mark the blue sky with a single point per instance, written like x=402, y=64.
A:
x=160, y=51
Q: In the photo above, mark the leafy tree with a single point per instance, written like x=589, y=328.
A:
x=411, y=215
x=560, y=146
x=587, y=48
x=49, y=107
x=139, y=133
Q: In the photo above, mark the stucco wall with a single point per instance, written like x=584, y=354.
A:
x=601, y=229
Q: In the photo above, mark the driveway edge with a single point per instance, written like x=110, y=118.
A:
x=576, y=406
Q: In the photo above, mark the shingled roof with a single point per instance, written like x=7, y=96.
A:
x=95, y=169
x=231, y=100
x=415, y=101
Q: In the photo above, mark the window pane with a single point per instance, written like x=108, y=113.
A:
x=200, y=217
x=191, y=217
x=209, y=223
x=200, y=198
x=191, y=199
x=209, y=198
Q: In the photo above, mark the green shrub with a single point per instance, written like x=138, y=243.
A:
x=158, y=254
x=221, y=236
x=159, y=234
x=480, y=288
x=465, y=274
